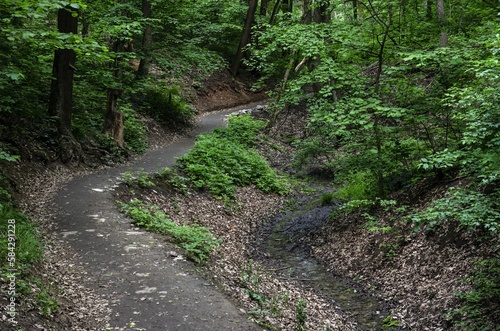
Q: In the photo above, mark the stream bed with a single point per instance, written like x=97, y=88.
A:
x=279, y=248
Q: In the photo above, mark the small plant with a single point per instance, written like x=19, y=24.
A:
x=46, y=303
x=390, y=322
x=28, y=249
x=471, y=209
x=196, y=240
x=175, y=180
x=301, y=314
x=139, y=178
x=327, y=199
x=358, y=186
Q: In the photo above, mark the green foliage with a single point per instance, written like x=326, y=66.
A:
x=327, y=199
x=472, y=210
x=301, y=314
x=134, y=132
x=357, y=186
x=28, y=245
x=46, y=302
x=390, y=322
x=166, y=105
x=175, y=180
x=479, y=308
x=139, y=178
x=196, y=240
x=222, y=160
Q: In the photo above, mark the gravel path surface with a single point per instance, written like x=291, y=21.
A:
x=147, y=287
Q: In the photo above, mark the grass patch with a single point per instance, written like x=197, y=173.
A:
x=28, y=247
x=196, y=240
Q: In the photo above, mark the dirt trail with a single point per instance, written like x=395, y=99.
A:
x=147, y=287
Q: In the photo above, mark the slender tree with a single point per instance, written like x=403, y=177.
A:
x=245, y=35
x=443, y=37
x=61, y=93
x=147, y=41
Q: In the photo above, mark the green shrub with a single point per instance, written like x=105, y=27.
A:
x=223, y=159
x=241, y=129
x=471, y=209
x=327, y=199
x=357, y=186
x=166, y=105
x=196, y=240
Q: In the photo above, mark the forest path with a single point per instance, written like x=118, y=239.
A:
x=146, y=286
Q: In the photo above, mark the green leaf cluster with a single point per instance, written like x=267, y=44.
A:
x=196, y=240
x=472, y=210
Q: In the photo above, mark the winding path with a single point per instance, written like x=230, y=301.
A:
x=147, y=288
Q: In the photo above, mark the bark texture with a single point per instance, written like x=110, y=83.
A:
x=245, y=36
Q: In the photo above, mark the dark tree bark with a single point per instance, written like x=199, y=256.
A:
x=355, y=9
x=275, y=11
x=263, y=7
x=147, y=41
x=307, y=12
x=113, y=120
x=245, y=36
x=288, y=6
x=61, y=91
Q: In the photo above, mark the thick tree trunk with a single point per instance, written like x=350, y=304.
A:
x=443, y=37
x=147, y=41
x=113, y=120
x=263, y=7
x=61, y=91
x=245, y=36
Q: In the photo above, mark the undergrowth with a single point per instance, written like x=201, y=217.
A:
x=224, y=159
x=480, y=307
x=28, y=247
x=196, y=240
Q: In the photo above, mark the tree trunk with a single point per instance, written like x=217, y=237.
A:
x=113, y=120
x=443, y=37
x=307, y=12
x=61, y=91
x=275, y=11
x=263, y=7
x=321, y=13
x=147, y=41
x=245, y=36
x=355, y=9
